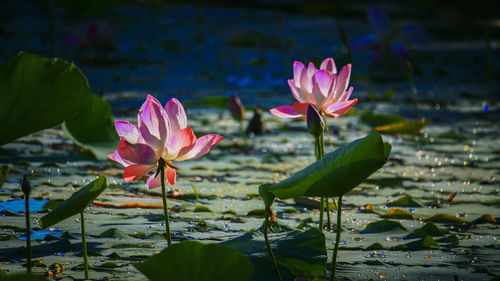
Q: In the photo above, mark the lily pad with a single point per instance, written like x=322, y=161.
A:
x=426, y=243
x=373, y=119
x=299, y=254
x=193, y=261
x=202, y=209
x=406, y=201
x=485, y=219
x=428, y=229
x=403, y=127
x=93, y=128
x=76, y=203
x=396, y=213
x=336, y=173
x=375, y=247
x=383, y=226
x=114, y=233
x=445, y=218
x=38, y=93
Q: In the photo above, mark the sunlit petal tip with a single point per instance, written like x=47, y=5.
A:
x=137, y=153
x=171, y=176
x=180, y=143
x=127, y=131
x=329, y=65
x=202, y=147
x=154, y=181
x=176, y=115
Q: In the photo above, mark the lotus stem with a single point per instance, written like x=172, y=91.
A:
x=161, y=164
x=328, y=218
x=337, y=239
x=84, y=246
x=28, y=230
x=319, y=151
x=242, y=132
x=271, y=254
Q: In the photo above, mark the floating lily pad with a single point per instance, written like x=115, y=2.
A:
x=451, y=240
x=403, y=127
x=114, y=233
x=428, y=229
x=193, y=261
x=257, y=213
x=384, y=226
x=373, y=119
x=406, y=201
x=396, y=213
x=426, y=243
x=297, y=253
x=485, y=219
x=202, y=209
x=76, y=203
x=213, y=101
x=375, y=247
x=445, y=218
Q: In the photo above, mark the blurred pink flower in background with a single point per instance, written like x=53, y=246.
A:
x=161, y=133
x=324, y=89
x=92, y=34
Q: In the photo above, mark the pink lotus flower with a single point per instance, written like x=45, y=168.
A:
x=324, y=89
x=161, y=133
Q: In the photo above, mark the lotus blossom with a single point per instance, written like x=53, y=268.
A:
x=324, y=89
x=162, y=133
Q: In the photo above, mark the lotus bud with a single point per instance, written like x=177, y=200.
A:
x=26, y=186
x=315, y=123
x=236, y=108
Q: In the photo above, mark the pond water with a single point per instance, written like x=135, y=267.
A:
x=452, y=166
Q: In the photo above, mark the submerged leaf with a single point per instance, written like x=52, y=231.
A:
x=193, y=261
x=383, y=226
x=76, y=203
x=336, y=173
x=299, y=254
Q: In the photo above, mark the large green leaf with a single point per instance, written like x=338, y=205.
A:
x=38, y=93
x=93, y=128
x=193, y=261
x=76, y=203
x=336, y=173
x=298, y=254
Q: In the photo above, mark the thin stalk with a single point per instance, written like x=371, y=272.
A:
x=84, y=247
x=328, y=217
x=271, y=254
x=28, y=231
x=242, y=132
x=161, y=163
x=319, y=154
x=337, y=239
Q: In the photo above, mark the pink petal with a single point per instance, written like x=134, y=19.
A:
x=329, y=65
x=127, y=131
x=340, y=108
x=154, y=181
x=342, y=82
x=171, y=175
x=298, y=68
x=180, y=143
x=295, y=92
x=117, y=158
x=306, y=81
x=322, y=84
x=285, y=111
x=155, y=118
x=201, y=147
x=301, y=108
x=176, y=115
x=134, y=172
x=137, y=153
x=347, y=94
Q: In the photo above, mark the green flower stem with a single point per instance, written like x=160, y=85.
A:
x=161, y=164
x=271, y=254
x=337, y=239
x=318, y=151
x=242, y=132
x=84, y=247
x=28, y=231
x=328, y=218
